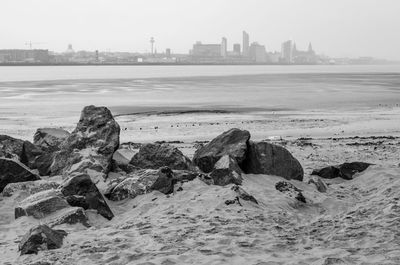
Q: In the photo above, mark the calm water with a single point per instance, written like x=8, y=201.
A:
x=63, y=90
x=29, y=73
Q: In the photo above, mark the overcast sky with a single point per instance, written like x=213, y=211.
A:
x=335, y=27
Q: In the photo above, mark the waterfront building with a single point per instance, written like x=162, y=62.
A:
x=246, y=44
x=257, y=53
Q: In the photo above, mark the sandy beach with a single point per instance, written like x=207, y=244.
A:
x=355, y=222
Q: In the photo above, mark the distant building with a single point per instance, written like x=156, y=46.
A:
x=287, y=52
x=224, y=47
x=206, y=50
x=236, y=49
x=273, y=57
x=257, y=53
x=304, y=57
x=24, y=56
x=70, y=49
x=168, y=52
x=246, y=44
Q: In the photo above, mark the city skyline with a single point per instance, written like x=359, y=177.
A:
x=338, y=28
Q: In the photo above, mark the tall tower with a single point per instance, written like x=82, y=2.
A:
x=224, y=47
x=152, y=45
x=246, y=44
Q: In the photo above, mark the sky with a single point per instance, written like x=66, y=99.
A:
x=337, y=28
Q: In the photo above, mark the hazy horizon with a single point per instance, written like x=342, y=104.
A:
x=335, y=28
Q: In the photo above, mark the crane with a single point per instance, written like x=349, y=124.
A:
x=30, y=43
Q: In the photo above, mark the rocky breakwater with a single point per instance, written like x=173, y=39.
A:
x=78, y=162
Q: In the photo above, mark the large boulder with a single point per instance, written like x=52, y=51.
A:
x=154, y=156
x=50, y=139
x=29, y=187
x=142, y=182
x=233, y=142
x=41, y=204
x=90, y=146
x=271, y=159
x=345, y=170
x=226, y=171
x=40, y=238
x=70, y=215
x=23, y=151
x=12, y=171
x=80, y=191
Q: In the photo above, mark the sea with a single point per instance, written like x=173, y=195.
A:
x=53, y=95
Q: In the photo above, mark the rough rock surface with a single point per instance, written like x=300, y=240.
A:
x=271, y=159
x=345, y=170
x=232, y=142
x=143, y=182
x=41, y=204
x=290, y=190
x=12, y=171
x=50, y=139
x=91, y=145
x=154, y=156
x=23, y=151
x=70, y=215
x=29, y=187
x=226, y=171
x=80, y=191
x=40, y=238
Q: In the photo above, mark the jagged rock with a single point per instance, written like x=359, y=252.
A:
x=50, y=139
x=81, y=186
x=271, y=159
x=23, y=151
x=90, y=146
x=41, y=204
x=290, y=190
x=43, y=163
x=40, y=238
x=143, y=182
x=70, y=215
x=154, y=156
x=232, y=142
x=29, y=187
x=12, y=171
x=242, y=194
x=319, y=184
x=345, y=170
x=226, y=171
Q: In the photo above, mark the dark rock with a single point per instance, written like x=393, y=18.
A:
x=329, y=172
x=12, y=171
x=232, y=142
x=345, y=170
x=43, y=163
x=23, y=151
x=41, y=204
x=270, y=159
x=236, y=200
x=226, y=171
x=143, y=182
x=154, y=156
x=91, y=145
x=242, y=194
x=50, y=139
x=290, y=190
x=82, y=185
x=29, y=187
x=40, y=238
